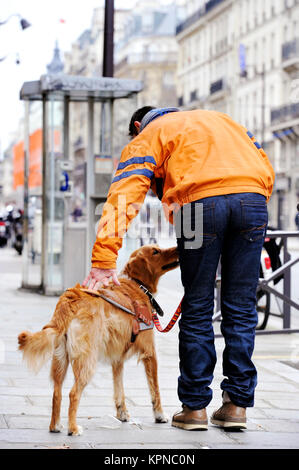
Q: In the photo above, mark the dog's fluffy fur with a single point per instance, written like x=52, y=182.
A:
x=85, y=329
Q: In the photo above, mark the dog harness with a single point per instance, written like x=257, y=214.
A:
x=156, y=310
x=138, y=325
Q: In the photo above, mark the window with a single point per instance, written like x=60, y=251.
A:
x=168, y=79
x=273, y=50
x=285, y=33
x=289, y=3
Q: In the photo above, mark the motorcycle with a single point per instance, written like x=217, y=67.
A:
x=3, y=232
x=17, y=231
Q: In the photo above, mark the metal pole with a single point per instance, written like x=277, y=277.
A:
x=26, y=196
x=111, y=103
x=263, y=74
x=51, y=193
x=90, y=235
x=108, y=52
x=108, y=63
x=286, y=286
x=66, y=202
x=66, y=113
x=44, y=262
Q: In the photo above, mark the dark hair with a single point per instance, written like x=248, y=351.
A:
x=137, y=116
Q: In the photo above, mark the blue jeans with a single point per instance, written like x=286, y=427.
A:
x=234, y=228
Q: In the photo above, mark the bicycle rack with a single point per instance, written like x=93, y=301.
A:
x=263, y=284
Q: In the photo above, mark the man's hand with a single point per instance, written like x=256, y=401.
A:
x=98, y=276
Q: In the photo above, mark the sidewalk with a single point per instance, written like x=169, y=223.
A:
x=25, y=399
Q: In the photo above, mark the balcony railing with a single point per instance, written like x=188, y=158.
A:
x=290, y=49
x=148, y=58
x=290, y=55
x=197, y=15
x=285, y=113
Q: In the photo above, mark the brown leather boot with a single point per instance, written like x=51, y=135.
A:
x=191, y=420
x=229, y=416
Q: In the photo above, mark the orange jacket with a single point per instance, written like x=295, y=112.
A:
x=186, y=155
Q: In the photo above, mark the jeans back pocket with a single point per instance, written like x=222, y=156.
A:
x=254, y=219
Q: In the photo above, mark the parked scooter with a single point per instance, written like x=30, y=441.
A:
x=270, y=261
x=17, y=231
x=3, y=232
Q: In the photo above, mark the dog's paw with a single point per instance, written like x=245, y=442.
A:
x=160, y=417
x=57, y=428
x=123, y=416
x=76, y=432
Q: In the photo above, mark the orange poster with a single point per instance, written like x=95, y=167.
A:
x=18, y=165
x=35, y=159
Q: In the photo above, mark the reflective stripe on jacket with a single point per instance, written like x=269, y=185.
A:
x=182, y=156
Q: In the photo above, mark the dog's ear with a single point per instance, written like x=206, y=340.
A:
x=139, y=267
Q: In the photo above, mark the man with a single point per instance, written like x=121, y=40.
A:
x=190, y=158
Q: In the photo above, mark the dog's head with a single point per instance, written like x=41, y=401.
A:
x=149, y=263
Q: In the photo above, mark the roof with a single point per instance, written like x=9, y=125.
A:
x=79, y=88
x=56, y=65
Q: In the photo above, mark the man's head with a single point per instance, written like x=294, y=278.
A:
x=136, y=120
x=143, y=116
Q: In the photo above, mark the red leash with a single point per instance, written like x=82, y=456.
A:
x=172, y=322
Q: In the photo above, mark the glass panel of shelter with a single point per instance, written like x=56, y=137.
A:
x=32, y=239
x=55, y=212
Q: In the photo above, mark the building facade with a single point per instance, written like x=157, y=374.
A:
x=233, y=57
x=148, y=52
x=145, y=48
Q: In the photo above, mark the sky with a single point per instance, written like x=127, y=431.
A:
x=35, y=47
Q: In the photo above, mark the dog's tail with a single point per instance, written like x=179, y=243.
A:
x=38, y=347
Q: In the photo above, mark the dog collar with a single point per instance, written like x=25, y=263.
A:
x=156, y=307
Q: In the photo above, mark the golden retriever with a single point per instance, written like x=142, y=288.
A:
x=86, y=328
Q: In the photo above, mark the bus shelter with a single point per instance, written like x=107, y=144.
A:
x=82, y=124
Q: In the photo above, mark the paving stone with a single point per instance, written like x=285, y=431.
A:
x=3, y=423
x=263, y=440
x=283, y=386
x=283, y=414
x=287, y=405
x=278, y=425
x=125, y=434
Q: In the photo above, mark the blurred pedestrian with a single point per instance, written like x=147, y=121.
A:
x=297, y=217
x=77, y=213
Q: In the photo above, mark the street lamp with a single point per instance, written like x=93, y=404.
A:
x=23, y=23
x=108, y=39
